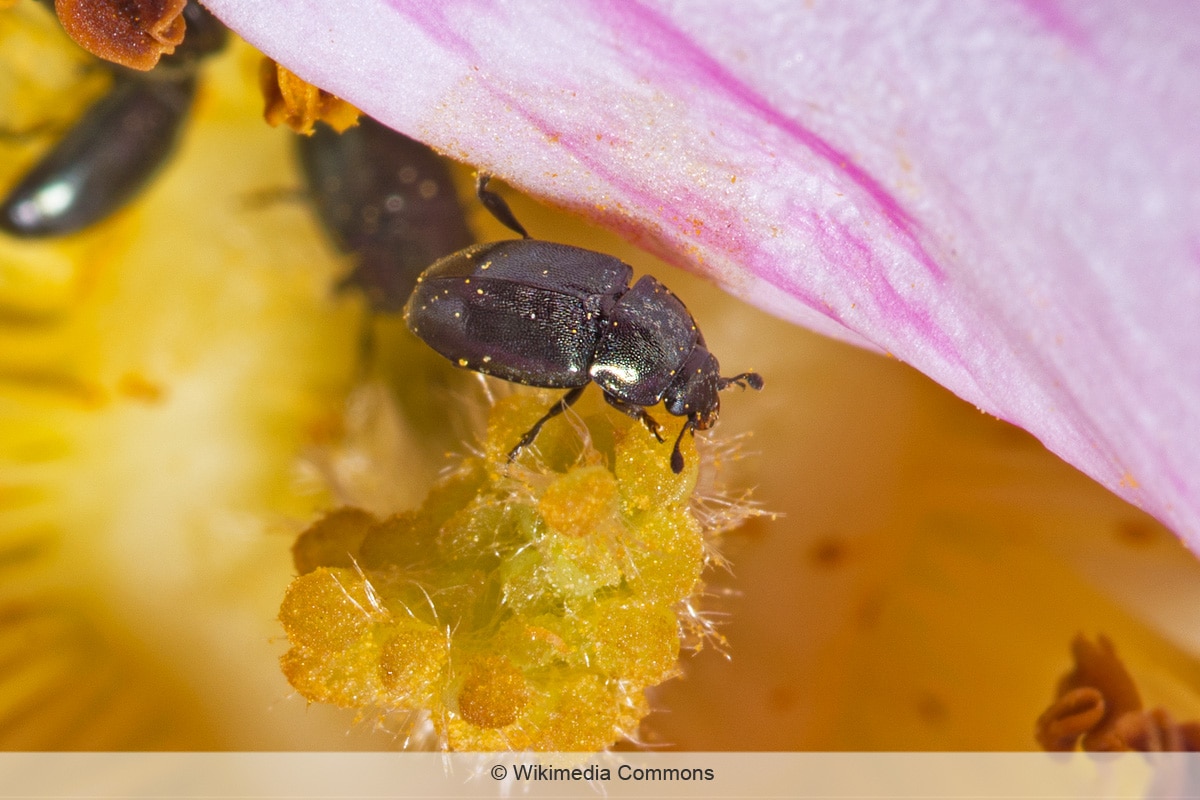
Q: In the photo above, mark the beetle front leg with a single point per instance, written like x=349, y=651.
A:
x=562, y=405
x=637, y=412
x=676, y=454
x=497, y=205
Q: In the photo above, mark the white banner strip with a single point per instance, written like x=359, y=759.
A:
x=613, y=775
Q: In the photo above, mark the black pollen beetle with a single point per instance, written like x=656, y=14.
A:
x=103, y=161
x=555, y=316
x=118, y=144
x=387, y=199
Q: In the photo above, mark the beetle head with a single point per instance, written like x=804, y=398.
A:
x=693, y=394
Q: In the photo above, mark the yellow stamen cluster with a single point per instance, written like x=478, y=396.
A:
x=522, y=606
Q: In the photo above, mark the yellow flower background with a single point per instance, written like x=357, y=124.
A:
x=181, y=393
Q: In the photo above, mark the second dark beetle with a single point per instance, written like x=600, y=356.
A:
x=555, y=316
x=118, y=144
x=387, y=199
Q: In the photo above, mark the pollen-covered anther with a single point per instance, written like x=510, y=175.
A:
x=494, y=693
x=521, y=606
x=578, y=503
x=133, y=33
x=290, y=100
x=411, y=661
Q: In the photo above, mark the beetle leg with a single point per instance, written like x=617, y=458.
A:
x=497, y=205
x=637, y=412
x=562, y=405
x=676, y=456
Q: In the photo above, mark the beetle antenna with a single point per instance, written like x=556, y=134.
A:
x=751, y=379
x=676, y=456
x=497, y=205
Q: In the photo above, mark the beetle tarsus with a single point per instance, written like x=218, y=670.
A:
x=497, y=205
x=653, y=426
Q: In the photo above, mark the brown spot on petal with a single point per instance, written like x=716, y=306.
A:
x=1138, y=532
x=290, y=100
x=931, y=709
x=133, y=33
x=829, y=553
x=870, y=610
x=782, y=698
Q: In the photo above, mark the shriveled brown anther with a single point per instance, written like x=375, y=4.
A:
x=1071, y=716
x=1097, y=706
x=1152, y=731
x=133, y=33
x=290, y=100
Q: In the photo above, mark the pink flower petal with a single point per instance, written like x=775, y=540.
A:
x=1005, y=195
